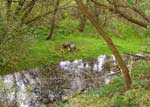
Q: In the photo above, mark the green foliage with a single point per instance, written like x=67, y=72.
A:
x=123, y=29
x=128, y=100
x=147, y=12
x=147, y=33
x=130, y=1
x=67, y=27
x=13, y=45
x=117, y=101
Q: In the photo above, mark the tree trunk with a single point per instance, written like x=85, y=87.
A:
x=9, y=2
x=108, y=40
x=96, y=11
x=83, y=19
x=53, y=20
x=82, y=23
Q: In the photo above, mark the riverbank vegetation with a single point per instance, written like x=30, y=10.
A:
x=114, y=94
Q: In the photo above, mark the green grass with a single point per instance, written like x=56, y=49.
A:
x=89, y=44
x=43, y=53
x=114, y=95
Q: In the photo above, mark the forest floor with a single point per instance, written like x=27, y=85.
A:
x=44, y=52
x=89, y=44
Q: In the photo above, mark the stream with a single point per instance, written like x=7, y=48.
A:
x=53, y=83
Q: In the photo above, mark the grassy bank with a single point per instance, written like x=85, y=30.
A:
x=89, y=44
x=43, y=53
